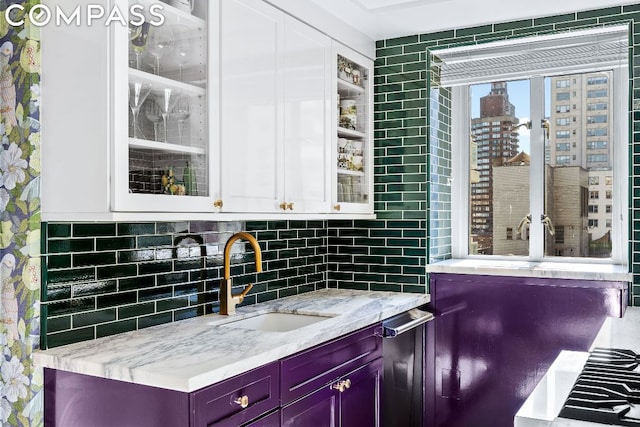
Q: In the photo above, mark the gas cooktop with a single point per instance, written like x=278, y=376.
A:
x=607, y=390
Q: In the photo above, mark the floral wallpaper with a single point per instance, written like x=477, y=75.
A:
x=20, y=381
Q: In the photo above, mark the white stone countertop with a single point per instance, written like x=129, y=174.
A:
x=194, y=353
x=542, y=407
x=545, y=269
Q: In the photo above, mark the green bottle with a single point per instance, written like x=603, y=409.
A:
x=189, y=178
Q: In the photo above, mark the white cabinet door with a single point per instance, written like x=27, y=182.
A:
x=251, y=108
x=307, y=123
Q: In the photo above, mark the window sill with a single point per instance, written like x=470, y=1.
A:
x=552, y=270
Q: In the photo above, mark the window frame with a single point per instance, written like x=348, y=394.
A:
x=618, y=137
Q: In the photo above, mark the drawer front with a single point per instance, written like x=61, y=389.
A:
x=221, y=405
x=308, y=370
x=271, y=420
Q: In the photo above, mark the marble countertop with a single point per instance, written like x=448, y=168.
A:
x=194, y=353
x=543, y=405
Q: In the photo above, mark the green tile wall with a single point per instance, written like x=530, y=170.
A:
x=401, y=102
x=103, y=279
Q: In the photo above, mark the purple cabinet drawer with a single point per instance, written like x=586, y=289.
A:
x=221, y=405
x=308, y=370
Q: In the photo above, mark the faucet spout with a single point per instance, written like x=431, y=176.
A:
x=228, y=301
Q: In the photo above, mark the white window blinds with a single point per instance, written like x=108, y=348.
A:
x=569, y=52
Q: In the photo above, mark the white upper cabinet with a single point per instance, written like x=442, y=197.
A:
x=130, y=113
x=276, y=85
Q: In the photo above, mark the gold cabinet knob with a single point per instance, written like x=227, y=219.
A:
x=290, y=206
x=283, y=206
x=341, y=386
x=217, y=204
x=336, y=207
x=243, y=401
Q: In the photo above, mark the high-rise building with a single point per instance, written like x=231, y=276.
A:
x=580, y=118
x=496, y=143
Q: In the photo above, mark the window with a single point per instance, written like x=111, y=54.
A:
x=594, y=180
x=600, y=80
x=608, y=180
x=597, y=158
x=596, y=106
x=597, y=132
x=536, y=175
x=597, y=119
x=593, y=223
x=597, y=93
x=608, y=209
x=509, y=233
x=597, y=145
x=608, y=194
x=607, y=223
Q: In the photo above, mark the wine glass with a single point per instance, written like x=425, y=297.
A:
x=181, y=112
x=166, y=100
x=139, y=36
x=138, y=92
x=153, y=113
x=183, y=48
x=160, y=43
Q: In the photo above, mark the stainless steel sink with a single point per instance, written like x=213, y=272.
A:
x=276, y=322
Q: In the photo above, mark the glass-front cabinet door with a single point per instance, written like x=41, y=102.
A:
x=164, y=149
x=352, y=168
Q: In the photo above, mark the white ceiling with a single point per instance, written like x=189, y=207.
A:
x=383, y=19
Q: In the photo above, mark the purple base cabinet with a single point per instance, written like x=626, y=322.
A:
x=493, y=338
x=75, y=400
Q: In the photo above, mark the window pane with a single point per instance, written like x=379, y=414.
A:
x=577, y=173
x=499, y=180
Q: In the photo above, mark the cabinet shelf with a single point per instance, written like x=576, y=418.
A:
x=164, y=146
x=173, y=15
x=350, y=172
x=165, y=83
x=350, y=87
x=350, y=133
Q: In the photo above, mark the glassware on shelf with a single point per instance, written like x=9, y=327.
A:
x=138, y=93
x=189, y=178
x=166, y=99
x=153, y=113
x=183, y=49
x=138, y=35
x=159, y=45
x=181, y=111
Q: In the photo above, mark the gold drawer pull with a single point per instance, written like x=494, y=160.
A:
x=243, y=401
x=336, y=207
x=217, y=204
x=341, y=386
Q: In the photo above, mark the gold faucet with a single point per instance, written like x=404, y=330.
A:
x=228, y=301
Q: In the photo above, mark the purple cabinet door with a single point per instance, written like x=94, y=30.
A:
x=75, y=400
x=493, y=338
x=271, y=420
x=360, y=403
x=318, y=409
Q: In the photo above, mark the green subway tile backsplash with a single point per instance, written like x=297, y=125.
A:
x=108, y=278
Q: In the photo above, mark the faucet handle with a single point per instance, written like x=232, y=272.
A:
x=242, y=294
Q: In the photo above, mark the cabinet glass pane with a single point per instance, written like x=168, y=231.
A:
x=168, y=135
x=353, y=125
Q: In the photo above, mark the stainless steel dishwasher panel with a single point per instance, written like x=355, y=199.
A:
x=403, y=354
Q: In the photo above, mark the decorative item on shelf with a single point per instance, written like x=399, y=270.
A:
x=356, y=77
x=138, y=93
x=189, y=178
x=348, y=114
x=170, y=185
x=159, y=45
x=356, y=163
x=343, y=162
x=138, y=36
x=345, y=68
